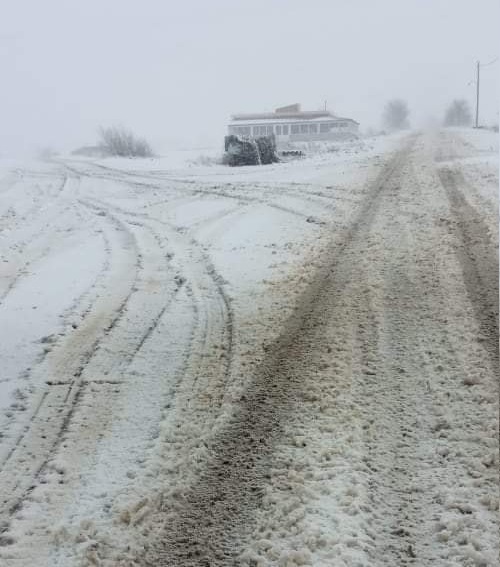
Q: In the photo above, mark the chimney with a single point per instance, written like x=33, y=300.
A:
x=291, y=108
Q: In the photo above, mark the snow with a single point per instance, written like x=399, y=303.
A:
x=137, y=299
x=474, y=152
x=32, y=311
x=169, y=161
x=284, y=119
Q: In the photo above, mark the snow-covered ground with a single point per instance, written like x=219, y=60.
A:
x=140, y=301
x=475, y=154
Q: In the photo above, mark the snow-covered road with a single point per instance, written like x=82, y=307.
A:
x=293, y=364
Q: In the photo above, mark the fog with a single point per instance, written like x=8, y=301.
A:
x=175, y=71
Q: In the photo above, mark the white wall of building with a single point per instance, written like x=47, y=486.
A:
x=296, y=131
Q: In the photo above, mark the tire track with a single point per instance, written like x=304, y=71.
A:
x=389, y=399
x=417, y=365
x=41, y=434
x=82, y=307
x=205, y=191
x=202, y=524
x=205, y=284
x=211, y=303
x=478, y=257
x=24, y=248
x=117, y=347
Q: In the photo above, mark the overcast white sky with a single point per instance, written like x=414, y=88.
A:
x=174, y=71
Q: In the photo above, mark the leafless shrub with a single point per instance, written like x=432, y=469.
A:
x=118, y=141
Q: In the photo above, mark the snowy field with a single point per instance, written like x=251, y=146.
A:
x=140, y=300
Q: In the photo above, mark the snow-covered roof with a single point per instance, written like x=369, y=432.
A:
x=302, y=115
x=290, y=113
x=272, y=119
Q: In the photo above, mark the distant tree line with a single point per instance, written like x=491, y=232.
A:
x=396, y=113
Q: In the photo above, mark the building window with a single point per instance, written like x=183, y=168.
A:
x=285, y=130
x=304, y=128
x=278, y=130
x=323, y=128
x=255, y=131
x=295, y=129
x=269, y=130
x=313, y=128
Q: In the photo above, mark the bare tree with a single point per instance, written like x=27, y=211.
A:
x=118, y=141
x=395, y=116
x=458, y=114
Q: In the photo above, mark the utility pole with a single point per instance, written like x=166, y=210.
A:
x=478, y=65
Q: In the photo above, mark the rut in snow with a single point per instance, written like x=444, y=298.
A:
x=478, y=258
x=210, y=515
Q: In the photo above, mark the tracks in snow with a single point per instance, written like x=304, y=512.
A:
x=265, y=194
x=149, y=265
x=372, y=354
x=372, y=360
x=478, y=258
x=204, y=522
x=35, y=438
x=28, y=240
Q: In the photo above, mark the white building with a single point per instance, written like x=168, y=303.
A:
x=291, y=124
